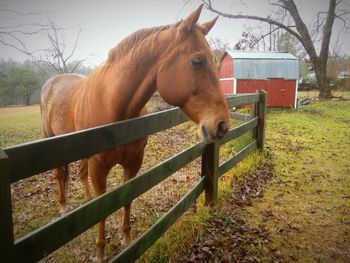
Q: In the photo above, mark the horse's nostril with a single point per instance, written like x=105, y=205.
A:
x=222, y=129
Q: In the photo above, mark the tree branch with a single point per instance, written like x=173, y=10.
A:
x=263, y=36
x=19, y=13
x=22, y=47
x=75, y=45
x=209, y=6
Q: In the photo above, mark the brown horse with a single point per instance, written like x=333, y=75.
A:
x=175, y=60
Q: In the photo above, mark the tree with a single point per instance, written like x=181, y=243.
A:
x=247, y=41
x=57, y=54
x=287, y=43
x=19, y=83
x=300, y=31
x=253, y=40
x=218, y=47
x=25, y=83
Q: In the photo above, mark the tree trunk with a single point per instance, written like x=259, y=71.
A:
x=27, y=95
x=323, y=86
x=322, y=80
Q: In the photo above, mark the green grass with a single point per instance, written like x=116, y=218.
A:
x=306, y=209
x=19, y=125
x=309, y=207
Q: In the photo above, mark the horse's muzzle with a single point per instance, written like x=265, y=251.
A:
x=217, y=133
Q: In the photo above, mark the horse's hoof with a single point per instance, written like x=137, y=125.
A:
x=63, y=210
x=97, y=260
x=125, y=242
x=100, y=255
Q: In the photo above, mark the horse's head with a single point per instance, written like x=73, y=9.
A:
x=188, y=78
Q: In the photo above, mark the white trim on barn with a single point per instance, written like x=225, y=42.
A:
x=226, y=79
x=234, y=83
x=234, y=86
x=296, y=94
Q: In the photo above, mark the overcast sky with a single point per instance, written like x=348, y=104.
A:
x=106, y=22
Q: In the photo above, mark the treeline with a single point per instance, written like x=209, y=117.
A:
x=20, y=83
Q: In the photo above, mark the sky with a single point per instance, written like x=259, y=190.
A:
x=106, y=22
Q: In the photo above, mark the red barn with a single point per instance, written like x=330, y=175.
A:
x=275, y=72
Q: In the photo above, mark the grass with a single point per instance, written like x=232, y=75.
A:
x=35, y=201
x=306, y=209
x=174, y=244
x=314, y=94
x=19, y=124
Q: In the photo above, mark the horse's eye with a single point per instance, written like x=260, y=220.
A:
x=197, y=63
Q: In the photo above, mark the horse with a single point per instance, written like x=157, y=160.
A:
x=174, y=60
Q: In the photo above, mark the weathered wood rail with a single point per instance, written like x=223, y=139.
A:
x=25, y=160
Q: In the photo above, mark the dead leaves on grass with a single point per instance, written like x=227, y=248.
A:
x=227, y=236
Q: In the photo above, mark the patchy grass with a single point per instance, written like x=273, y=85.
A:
x=35, y=203
x=227, y=236
x=177, y=242
x=304, y=213
x=307, y=211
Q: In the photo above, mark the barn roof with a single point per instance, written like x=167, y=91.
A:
x=242, y=54
x=263, y=65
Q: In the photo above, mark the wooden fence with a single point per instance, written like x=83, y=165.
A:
x=25, y=160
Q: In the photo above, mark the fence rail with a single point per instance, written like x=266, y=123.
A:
x=21, y=162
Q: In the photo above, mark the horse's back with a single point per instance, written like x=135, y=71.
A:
x=58, y=100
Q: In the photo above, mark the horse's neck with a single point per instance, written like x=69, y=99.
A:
x=131, y=88
x=118, y=92
x=133, y=81
x=121, y=90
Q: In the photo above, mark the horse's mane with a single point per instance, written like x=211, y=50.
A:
x=133, y=40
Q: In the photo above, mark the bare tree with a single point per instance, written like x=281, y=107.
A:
x=218, y=47
x=254, y=38
x=58, y=55
x=300, y=31
x=337, y=62
x=12, y=35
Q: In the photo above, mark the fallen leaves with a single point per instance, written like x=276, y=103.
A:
x=228, y=236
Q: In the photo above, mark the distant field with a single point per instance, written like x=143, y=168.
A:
x=19, y=125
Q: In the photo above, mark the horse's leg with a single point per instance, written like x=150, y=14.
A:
x=98, y=175
x=130, y=171
x=62, y=174
x=83, y=174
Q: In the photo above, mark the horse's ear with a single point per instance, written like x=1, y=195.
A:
x=205, y=27
x=191, y=20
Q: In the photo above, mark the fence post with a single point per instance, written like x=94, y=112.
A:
x=210, y=163
x=253, y=114
x=6, y=225
x=261, y=113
